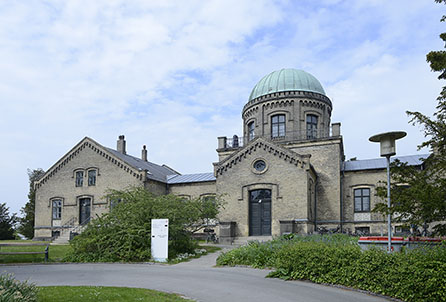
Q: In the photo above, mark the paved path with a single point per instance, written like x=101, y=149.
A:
x=196, y=279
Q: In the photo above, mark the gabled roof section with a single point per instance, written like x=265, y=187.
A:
x=130, y=164
x=189, y=178
x=154, y=171
x=302, y=161
x=381, y=163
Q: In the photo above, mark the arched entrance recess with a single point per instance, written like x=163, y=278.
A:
x=260, y=212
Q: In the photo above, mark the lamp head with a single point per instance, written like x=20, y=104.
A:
x=387, y=141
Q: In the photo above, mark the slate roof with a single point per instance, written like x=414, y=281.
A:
x=187, y=178
x=381, y=163
x=155, y=172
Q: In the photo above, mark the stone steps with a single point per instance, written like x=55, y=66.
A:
x=62, y=239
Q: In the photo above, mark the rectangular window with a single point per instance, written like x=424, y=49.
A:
x=362, y=200
x=92, y=177
x=79, y=178
x=362, y=231
x=311, y=126
x=251, y=131
x=57, y=209
x=278, y=126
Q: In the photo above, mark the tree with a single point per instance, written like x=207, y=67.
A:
x=123, y=234
x=419, y=195
x=6, y=223
x=418, y=198
x=26, y=227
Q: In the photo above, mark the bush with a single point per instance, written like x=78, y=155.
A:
x=12, y=290
x=264, y=254
x=418, y=275
x=124, y=233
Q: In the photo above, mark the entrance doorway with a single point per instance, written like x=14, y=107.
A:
x=84, y=210
x=260, y=212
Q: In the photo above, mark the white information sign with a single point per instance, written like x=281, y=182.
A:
x=160, y=236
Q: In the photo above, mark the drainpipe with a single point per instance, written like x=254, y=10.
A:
x=315, y=204
x=342, y=198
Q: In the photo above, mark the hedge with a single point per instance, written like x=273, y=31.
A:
x=418, y=275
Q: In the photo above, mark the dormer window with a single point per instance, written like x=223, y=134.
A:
x=79, y=178
x=278, y=126
x=91, y=177
x=311, y=126
x=250, y=131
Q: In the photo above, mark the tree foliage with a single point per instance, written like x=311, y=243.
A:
x=7, y=223
x=418, y=198
x=422, y=197
x=123, y=234
x=26, y=226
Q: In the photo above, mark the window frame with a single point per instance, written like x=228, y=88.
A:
x=251, y=134
x=56, y=209
x=311, y=125
x=361, y=198
x=95, y=177
x=79, y=181
x=276, y=126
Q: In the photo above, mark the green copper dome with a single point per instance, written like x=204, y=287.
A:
x=286, y=80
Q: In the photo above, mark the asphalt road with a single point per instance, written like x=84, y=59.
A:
x=197, y=280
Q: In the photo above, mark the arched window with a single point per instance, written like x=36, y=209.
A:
x=250, y=131
x=278, y=126
x=311, y=126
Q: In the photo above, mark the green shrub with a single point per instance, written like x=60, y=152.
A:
x=124, y=233
x=418, y=275
x=12, y=290
x=263, y=254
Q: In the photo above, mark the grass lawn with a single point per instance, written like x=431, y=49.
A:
x=100, y=293
x=56, y=252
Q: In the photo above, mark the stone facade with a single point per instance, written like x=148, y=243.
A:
x=369, y=179
x=236, y=177
x=59, y=183
x=193, y=189
x=286, y=173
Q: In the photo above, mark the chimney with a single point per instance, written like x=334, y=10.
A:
x=120, y=146
x=144, y=153
x=336, y=129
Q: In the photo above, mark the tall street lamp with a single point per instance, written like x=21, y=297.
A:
x=387, y=146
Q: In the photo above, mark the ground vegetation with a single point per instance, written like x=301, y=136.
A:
x=418, y=275
x=102, y=293
x=124, y=233
x=12, y=290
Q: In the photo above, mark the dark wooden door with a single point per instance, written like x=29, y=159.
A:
x=84, y=210
x=260, y=212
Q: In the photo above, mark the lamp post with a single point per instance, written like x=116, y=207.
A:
x=387, y=147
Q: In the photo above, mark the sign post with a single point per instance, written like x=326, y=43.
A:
x=160, y=236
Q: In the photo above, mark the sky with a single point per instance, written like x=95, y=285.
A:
x=174, y=75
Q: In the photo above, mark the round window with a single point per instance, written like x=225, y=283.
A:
x=259, y=165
